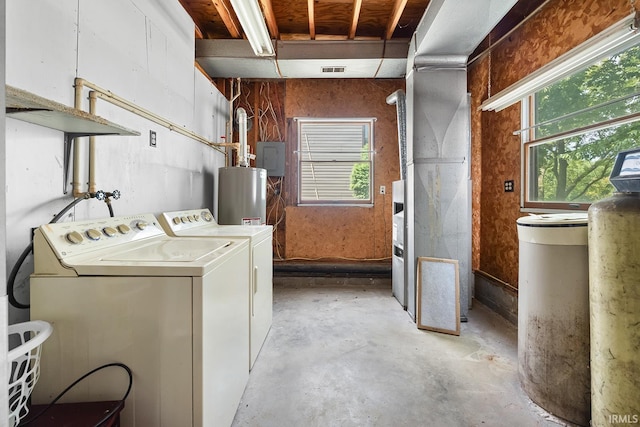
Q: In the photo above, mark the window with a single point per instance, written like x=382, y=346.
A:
x=335, y=161
x=577, y=125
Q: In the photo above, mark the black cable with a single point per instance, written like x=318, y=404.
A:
x=108, y=202
x=110, y=414
x=16, y=267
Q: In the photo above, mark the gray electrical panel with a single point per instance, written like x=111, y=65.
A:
x=270, y=156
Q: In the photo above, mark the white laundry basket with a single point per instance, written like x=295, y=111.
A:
x=25, y=365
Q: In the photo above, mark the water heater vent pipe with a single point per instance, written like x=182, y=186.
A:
x=399, y=98
x=241, y=118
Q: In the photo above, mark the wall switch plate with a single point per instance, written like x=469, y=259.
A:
x=152, y=138
x=383, y=189
x=508, y=186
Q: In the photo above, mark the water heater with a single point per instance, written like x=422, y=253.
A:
x=242, y=196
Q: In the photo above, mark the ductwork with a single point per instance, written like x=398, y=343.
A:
x=398, y=98
x=305, y=59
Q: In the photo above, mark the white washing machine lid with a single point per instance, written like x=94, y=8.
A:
x=200, y=223
x=141, y=248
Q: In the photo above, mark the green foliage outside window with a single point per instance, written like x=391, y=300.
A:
x=360, y=176
x=576, y=169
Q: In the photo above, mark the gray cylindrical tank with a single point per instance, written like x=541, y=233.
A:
x=242, y=196
x=553, y=314
x=614, y=291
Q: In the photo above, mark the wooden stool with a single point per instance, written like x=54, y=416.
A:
x=85, y=414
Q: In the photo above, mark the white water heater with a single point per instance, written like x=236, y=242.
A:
x=242, y=196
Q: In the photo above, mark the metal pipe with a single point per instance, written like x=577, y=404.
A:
x=92, y=146
x=398, y=97
x=109, y=96
x=77, y=158
x=241, y=116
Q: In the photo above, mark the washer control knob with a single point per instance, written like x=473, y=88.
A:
x=190, y=218
x=207, y=216
x=74, y=237
x=196, y=218
x=184, y=219
x=93, y=234
x=124, y=228
x=176, y=220
x=109, y=231
x=141, y=225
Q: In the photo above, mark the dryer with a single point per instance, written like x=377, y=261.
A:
x=172, y=309
x=201, y=223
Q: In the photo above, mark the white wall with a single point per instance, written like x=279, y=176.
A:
x=141, y=50
x=4, y=373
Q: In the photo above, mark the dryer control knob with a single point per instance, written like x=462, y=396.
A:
x=207, y=216
x=74, y=237
x=93, y=234
x=190, y=218
x=196, y=218
x=176, y=220
x=109, y=231
x=184, y=219
x=141, y=225
x=123, y=228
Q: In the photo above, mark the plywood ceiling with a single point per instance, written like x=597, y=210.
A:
x=313, y=19
x=330, y=19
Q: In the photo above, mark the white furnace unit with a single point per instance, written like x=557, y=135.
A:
x=201, y=223
x=172, y=309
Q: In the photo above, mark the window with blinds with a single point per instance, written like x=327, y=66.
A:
x=576, y=126
x=335, y=161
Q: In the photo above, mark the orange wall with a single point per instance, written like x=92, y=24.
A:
x=326, y=232
x=560, y=26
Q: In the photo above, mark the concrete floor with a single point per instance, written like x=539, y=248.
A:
x=350, y=356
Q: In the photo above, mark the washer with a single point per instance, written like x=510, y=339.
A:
x=172, y=309
x=201, y=223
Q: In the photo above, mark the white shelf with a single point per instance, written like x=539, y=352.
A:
x=26, y=106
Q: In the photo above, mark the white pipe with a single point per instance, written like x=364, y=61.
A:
x=241, y=116
x=92, y=147
x=129, y=106
x=77, y=158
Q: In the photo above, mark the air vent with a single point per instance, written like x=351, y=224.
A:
x=333, y=69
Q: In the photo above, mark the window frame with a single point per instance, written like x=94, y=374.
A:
x=368, y=121
x=609, y=42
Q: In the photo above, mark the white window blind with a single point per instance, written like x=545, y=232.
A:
x=335, y=160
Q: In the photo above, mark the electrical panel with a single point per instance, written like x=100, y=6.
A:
x=270, y=156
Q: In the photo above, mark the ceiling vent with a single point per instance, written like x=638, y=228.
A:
x=333, y=69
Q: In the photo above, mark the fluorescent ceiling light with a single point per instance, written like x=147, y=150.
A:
x=618, y=37
x=252, y=21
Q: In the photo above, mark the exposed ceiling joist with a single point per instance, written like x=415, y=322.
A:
x=357, y=5
x=312, y=20
x=270, y=18
x=224, y=10
x=398, y=8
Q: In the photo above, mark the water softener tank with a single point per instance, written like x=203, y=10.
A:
x=614, y=293
x=242, y=196
x=553, y=314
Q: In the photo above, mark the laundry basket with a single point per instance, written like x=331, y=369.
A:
x=25, y=365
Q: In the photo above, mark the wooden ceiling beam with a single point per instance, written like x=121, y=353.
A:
x=267, y=10
x=357, y=4
x=224, y=10
x=197, y=25
x=398, y=8
x=312, y=20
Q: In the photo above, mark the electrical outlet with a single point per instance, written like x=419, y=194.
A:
x=383, y=189
x=508, y=186
x=152, y=138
